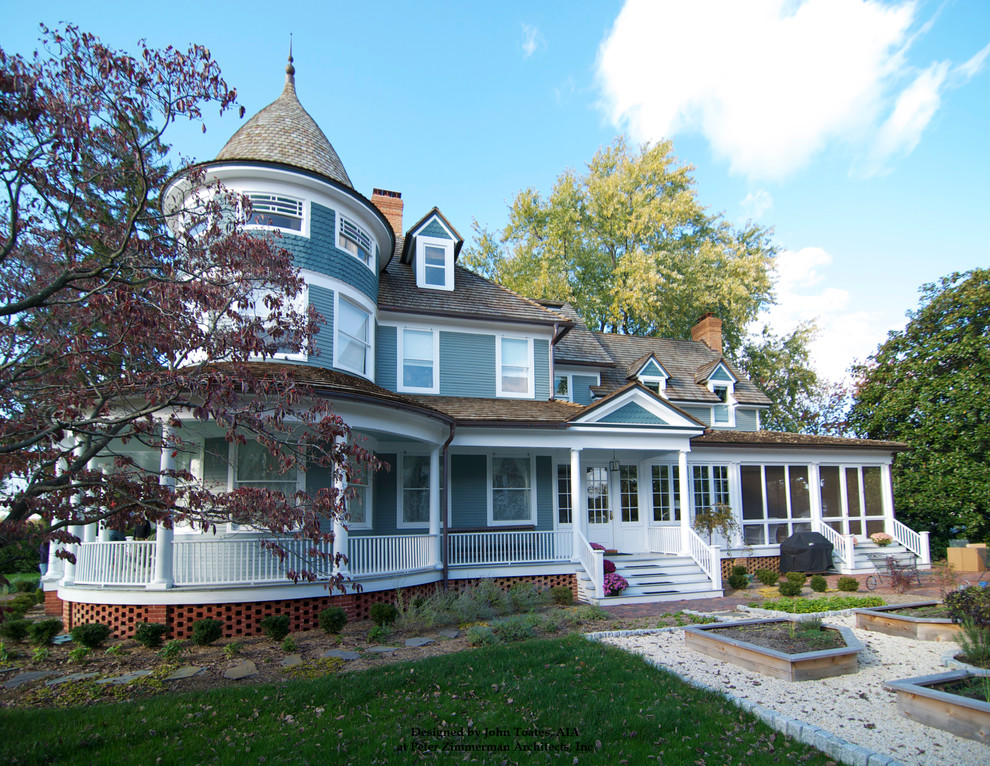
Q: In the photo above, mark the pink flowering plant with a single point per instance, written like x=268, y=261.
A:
x=881, y=538
x=597, y=546
x=615, y=584
x=608, y=566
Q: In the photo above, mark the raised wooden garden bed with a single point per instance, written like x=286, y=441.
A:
x=802, y=666
x=925, y=699
x=882, y=619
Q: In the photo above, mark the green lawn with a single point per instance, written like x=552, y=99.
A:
x=536, y=701
x=13, y=579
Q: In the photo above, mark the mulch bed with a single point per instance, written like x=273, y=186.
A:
x=785, y=637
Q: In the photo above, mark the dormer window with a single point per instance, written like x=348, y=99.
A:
x=353, y=239
x=434, y=263
x=649, y=373
x=275, y=210
x=656, y=384
x=723, y=414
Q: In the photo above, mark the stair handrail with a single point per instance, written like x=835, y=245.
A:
x=916, y=542
x=841, y=544
x=593, y=562
x=708, y=557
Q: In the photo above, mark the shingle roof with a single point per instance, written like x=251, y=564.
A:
x=708, y=368
x=283, y=132
x=579, y=345
x=473, y=297
x=781, y=439
x=681, y=358
x=501, y=411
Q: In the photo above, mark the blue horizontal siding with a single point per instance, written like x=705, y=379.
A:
x=582, y=388
x=468, y=491
x=321, y=299
x=467, y=364
x=386, y=358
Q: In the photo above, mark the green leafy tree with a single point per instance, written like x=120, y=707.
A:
x=629, y=245
x=929, y=385
x=803, y=401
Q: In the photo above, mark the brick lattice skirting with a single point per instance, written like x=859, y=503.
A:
x=752, y=564
x=243, y=618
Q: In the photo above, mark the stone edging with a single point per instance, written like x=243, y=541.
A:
x=756, y=612
x=809, y=734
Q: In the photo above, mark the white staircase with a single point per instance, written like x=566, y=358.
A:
x=652, y=577
x=861, y=562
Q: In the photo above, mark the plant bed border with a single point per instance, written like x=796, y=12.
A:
x=954, y=713
x=921, y=628
x=804, y=666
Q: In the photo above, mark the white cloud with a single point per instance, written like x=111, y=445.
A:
x=846, y=334
x=533, y=40
x=757, y=204
x=771, y=83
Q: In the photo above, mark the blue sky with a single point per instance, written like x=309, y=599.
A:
x=857, y=129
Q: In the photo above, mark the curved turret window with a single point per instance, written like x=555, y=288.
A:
x=355, y=240
x=276, y=210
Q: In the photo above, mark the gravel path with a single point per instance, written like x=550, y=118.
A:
x=853, y=707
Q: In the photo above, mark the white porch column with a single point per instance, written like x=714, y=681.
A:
x=815, y=494
x=887, y=493
x=435, y=507
x=163, y=535
x=69, y=569
x=339, y=530
x=104, y=534
x=682, y=469
x=579, y=512
x=89, y=532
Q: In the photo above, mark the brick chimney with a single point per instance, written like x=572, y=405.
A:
x=390, y=203
x=709, y=331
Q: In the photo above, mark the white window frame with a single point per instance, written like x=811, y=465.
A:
x=650, y=380
x=434, y=387
x=710, y=480
x=531, y=382
x=300, y=304
x=730, y=403
x=400, y=522
x=531, y=521
x=766, y=521
x=569, y=380
x=556, y=495
x=368, y=522
x=342, y=222
x=369, y=357
x=447, y=246
x=303, y=208
x=673, y=480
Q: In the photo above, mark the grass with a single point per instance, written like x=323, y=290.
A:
x=560, y=698
x=800, y=605
x=13, y=579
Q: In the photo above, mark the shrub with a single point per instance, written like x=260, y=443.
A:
x=767, y=576
x=789, y=588
x=608, y=567
x=43, y=631
x=92, y=634
x=19, y=604
x=333, y=619
x=172, y=650
x=481, y=635
x=739, y=569
x=519, y=627
x=848, y=584
x=379, y=633
x=822, y=604
x=974, y=643
x=14, y=630
x=289, y=645
x=482, y=602
x=26, y=586
x=562, y=595
x=524, y=597
x=738, y=581
x=970, y=604
x=117, y=650
x=798, y=577
x=79, y=654
x=39, y=596
x=383, y=613
x=232, y=649
x=149, y=634
x=818, y=583
x=206, y=632
x=40, y=654
x=594, y=612
x=275, y=626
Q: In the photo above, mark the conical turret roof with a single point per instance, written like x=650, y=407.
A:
x=283, y=132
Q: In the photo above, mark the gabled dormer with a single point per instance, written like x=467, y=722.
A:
x=650, y=373
x=431, y=247
x=721, y=381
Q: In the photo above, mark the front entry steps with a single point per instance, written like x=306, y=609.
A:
x=652, y=577
x=862, y=563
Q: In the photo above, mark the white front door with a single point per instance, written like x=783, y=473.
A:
x=596, y=487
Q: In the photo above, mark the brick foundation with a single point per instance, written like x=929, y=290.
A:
x=752, y=564
x=244, y=618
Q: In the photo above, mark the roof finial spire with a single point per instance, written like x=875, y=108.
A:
x=290, y=70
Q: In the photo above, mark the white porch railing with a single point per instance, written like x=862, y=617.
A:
x=708, y=557
x=475, y=548
x=664, y=539
x=385, y=554
x=842, y=546
x=231, y=562
x=593, y=562
x=916, y=542
x=119, y=563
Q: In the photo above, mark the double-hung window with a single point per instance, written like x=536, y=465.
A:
x=565, y=505
x=275, y=210
x=359, y=502
x=414, y=498
x=434, y=263
x=629, y=492
x=666, y=493
x=255, y=466
x=418, y=355
x=352, y=348
x=562, y=388
x=353, y=239
x=515, y=367
x=512, y=491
